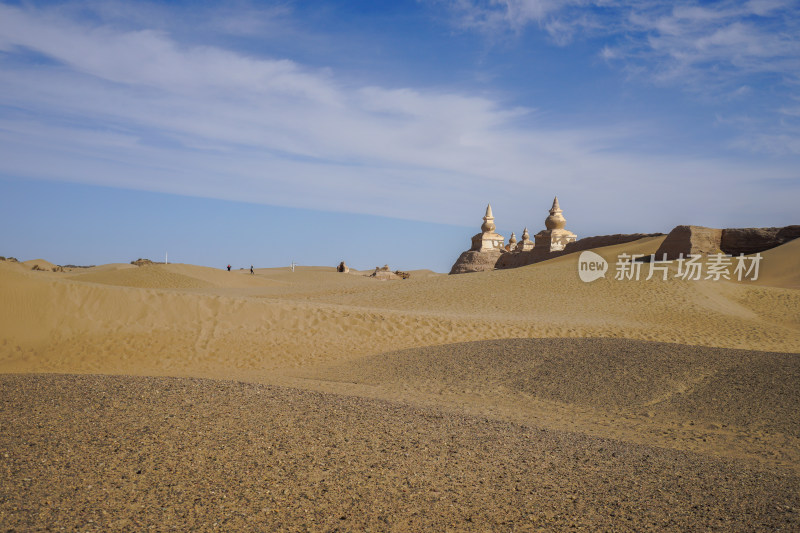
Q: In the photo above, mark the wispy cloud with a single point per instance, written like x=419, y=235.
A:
x=722, y=44
x=560, y=19
x=716, y=51
x=131, y=105
x=724, y=39
x=781, y=144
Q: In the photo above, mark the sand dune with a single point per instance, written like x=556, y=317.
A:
x=147, y=276
x=199, y=321
x=13, y=265
x=103, y=268
x=699, y=367
x=40, y=263
x=725, y=402
x=612, y=374
x=171, y=276
x=780, y=267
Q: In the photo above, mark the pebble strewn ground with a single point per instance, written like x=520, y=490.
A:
x=100, y=453
x=750, y=389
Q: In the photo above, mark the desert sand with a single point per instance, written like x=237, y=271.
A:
x=179, y=396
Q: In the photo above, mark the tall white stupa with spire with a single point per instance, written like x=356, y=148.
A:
x=487, y=240
x=555, y=237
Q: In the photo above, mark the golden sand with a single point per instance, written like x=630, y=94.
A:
x=196, y=321
x=703, y=382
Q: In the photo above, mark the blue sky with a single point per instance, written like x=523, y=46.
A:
x=376, y=132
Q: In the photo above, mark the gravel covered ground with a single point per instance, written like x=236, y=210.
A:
x=128, y=453
x=751, y=389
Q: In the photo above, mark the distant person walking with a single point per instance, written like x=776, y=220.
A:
x=251, y=269
x=229, y=268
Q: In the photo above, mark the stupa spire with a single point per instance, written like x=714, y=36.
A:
x=556, y=220
x=488, y=220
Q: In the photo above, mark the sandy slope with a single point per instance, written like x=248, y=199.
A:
x=723, y=402
x=207, y=322
x=41, y=263
x=780, y=267
x=549, y=353
x=148, y=276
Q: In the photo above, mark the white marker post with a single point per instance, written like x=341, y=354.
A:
x=166, y=258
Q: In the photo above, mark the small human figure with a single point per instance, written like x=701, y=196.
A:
x=229, y=268
x=251, y=269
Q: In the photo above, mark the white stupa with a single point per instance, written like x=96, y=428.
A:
x=526, y=244
x=555, y=237
x=487, y=240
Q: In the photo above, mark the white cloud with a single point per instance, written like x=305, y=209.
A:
x=791, y=111
x=498, y=16
x=138, y=108
x=717, y=47
x=666, y=38
x=725, y=51
x=774, y=144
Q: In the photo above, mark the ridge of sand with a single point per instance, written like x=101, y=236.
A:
x=103, y=268
x=171, y=276
x=43, y=264
x=144, y=277
x=216, y=277
x=119, y=453
x=57, y=323
x=780, y=266
x=13, y=266
x=722, y=402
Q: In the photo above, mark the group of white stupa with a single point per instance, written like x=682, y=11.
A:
x=552, y=239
